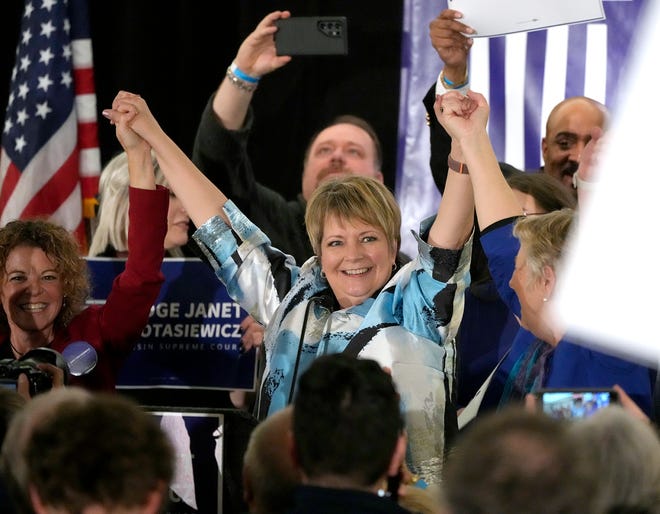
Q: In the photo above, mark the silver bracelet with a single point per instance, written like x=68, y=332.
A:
x=240, y=83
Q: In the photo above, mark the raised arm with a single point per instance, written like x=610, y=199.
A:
x=493, y=197
x=256, y=57
x=200, y=197
x=446, y=36
x=455, y=219
x=138, y=156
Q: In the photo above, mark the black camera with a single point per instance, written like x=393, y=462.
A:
x=28, y=365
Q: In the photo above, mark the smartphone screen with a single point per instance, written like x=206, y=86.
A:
x=570, y=404
x=8, y=384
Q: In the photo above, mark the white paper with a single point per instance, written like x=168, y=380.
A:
x=609, y=287
x=472, y=408
x=499, y=17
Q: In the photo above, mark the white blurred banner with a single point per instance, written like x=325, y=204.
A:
x=609, y=286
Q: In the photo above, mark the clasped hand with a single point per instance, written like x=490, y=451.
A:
x=461, y=115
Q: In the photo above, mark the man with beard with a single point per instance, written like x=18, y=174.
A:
x=348, y=145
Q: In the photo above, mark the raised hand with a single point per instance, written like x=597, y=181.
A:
x=128, y=138
x=256, y=55
x=461, y=115
x=446, y=34
x=131, y=113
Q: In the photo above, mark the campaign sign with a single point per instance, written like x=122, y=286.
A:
x=192, y=340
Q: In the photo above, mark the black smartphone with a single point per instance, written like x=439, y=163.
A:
x=311, y=35
x=575, y=403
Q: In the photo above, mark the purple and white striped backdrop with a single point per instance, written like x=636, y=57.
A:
x=522, y=75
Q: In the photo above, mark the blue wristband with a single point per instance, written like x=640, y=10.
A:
x=242, y=75
x=453, y=85
x=447, y=81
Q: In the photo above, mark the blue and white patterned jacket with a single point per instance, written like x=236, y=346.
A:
x=408, y=327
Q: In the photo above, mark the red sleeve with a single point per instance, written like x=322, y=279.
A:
x=135, y=290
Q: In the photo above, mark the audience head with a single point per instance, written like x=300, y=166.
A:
x=347, y=146
x=542, y=240
x=518, y=461
x=75, y=450
x=269, y=473
x=356, y=219
x=112, y=227
x=347, y=424
x=38, y=251
x=626, y=456
x=539, y=193
x=567, y=131
x=13, y=460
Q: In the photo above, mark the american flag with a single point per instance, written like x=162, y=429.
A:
x=50, y=161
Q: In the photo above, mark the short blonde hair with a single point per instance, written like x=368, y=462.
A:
x=112, y=226
x=349, y=198
x=543, y=237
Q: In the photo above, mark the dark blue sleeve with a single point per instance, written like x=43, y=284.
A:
x=501, y=248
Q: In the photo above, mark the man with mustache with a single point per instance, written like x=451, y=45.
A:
x=348, y=145
x=567, y=131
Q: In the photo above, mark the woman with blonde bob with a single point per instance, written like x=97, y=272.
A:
x=351, y=296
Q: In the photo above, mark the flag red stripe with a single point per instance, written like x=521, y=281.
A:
x=8, y=185
x=88, y=135
x=89, y=186
x=83, y=79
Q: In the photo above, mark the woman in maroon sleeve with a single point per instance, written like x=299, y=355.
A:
x=44, y=282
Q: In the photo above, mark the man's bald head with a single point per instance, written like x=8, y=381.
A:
x=567, y=131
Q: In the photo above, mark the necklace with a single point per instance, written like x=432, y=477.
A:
x=20, y=354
